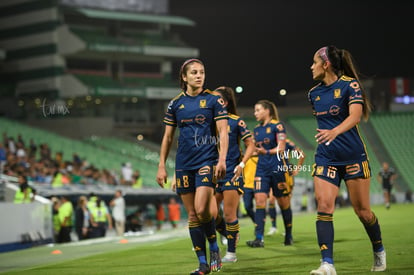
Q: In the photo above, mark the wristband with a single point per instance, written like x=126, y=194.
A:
x=242, y=164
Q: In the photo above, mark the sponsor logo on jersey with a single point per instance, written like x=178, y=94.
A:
x=334, y=110
x=200, y=119
x=181, y=106
x=317, y=98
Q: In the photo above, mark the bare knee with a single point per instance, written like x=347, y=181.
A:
x=325, y=206
x=364, y=215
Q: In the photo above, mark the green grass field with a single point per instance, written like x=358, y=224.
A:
x=173, y=255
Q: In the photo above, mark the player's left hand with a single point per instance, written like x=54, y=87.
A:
x=325, y=136
x=237, y=173
x=220, y=171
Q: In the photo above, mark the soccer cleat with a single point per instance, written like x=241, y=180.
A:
x=325, y=269
x=215, y=261
x=201, y=270
x=288, y=241
x=255, y=243
x=272, y=231
x=380, y=261
x=229, y=258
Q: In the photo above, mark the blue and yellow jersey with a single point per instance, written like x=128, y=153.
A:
x=331, y=108
x=195, y=116
x=237, y=129
x=268, y=136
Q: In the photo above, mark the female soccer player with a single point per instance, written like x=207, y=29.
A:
x=228, y=190
x=338, y=104
x=292, y=151
x=270, y=137
x=197, y=113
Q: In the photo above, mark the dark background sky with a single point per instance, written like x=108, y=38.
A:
x=266, y=45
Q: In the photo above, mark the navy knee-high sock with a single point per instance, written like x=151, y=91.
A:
x=325, y=233
x=232, y=229
x=287, y=221
x=221, y=225
x=272, y=214
x=259, y=219
x=209, y=227
x=374, y=232
x=199, y=240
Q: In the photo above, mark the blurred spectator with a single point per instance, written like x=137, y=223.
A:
x=304, y=201
x=137, y=180
x=126, y=171
x=174, y=212
x=11, y=145
x=159, y=215
x=76, y=160
x=45, y=152
x=65, y=219
x=118, y=212
x=32, y=149
x=25, y=193
x=55, y=215
x=57, y=179
x=2, y=157
x=82, y=218
x=101, y=219
x=408, y=196
x=20, y=139
x=135, y=221
x=20, y=152
x=59, y=160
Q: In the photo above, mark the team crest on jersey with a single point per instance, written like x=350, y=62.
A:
x=181, y=106
x=319, y=170
x=317, y=98
x=268, y=130
x=337, y=93
x=203, y=103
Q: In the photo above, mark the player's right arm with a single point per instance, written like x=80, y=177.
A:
x=167, y=140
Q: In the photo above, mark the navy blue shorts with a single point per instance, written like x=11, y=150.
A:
x=188, y=180
x=335, y=173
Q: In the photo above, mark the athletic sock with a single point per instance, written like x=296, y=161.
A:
x=198, y=240
x=287, y=220
x=221, y=225
x=272, y=214
x=374, y=232
x=259, y=220
x=232, y=229
x=325, y=233
x=209, y=227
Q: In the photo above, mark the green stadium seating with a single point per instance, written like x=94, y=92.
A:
x=396, y=132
